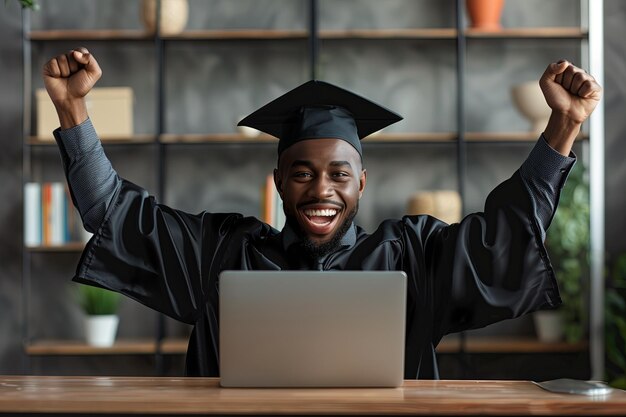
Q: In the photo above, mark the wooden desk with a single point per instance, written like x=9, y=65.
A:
x=124, y=395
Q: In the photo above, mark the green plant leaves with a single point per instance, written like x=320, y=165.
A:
x=568, y=245
x=97, y=301
x=615, y=323
x=26, y=4
x=29, y=4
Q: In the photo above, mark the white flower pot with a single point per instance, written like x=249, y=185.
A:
x=549, y=325
x=101, y=330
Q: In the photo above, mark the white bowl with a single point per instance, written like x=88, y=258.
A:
x=529, y=100
x=246, y=131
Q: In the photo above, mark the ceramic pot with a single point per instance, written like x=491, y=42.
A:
x=174, y=16
x=528, y=99
x=101, y=330
x=485, y=14
x=549, y=325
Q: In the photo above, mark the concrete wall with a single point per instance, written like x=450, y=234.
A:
x=209, y=85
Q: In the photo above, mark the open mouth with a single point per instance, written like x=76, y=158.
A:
x=320, y=221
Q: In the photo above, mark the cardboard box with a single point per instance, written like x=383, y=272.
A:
x=110, y=110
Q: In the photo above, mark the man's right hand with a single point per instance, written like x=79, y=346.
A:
x=68, y=78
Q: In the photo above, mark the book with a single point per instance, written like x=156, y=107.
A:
x=272, y=205
x=50, y=218
x=46, y=215
x=57, y=214
x=268, y=200
x=279, y=213
x=32, y=214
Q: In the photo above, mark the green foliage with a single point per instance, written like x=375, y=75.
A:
x=568, y=244
x=97, y=301
x=615, y=323
x=26, y=4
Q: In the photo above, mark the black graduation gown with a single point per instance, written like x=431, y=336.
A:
x=489, y=267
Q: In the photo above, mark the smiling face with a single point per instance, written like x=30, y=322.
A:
x=320, y=182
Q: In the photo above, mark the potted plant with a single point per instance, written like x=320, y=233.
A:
x=26, y=4
x=568, y=244
x=615, y=323
x=100, y=306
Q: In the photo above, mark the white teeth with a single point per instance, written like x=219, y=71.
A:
x=321, y=213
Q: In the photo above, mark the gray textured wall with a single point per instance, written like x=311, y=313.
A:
x=209, y=85
x=10, y=195
x=615, y=102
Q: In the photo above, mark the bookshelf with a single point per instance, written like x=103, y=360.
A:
x=454, y=41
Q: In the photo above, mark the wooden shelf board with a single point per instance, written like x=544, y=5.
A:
x=397, y=137
x=482, y=344
x=89, y=35
x=79, y=347
x=66, y=247
x=508, y=136
x=417, y=33
x=175, y=346
x=242, y=34
x=263, y=138
x=121, y=347
x=173, y=138
x=255, y=34
x=529, y=33
x=245, y=34
x=117, y=140
x=501, y=136
x=409, y=137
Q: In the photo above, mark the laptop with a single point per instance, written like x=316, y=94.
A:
x=312, y=328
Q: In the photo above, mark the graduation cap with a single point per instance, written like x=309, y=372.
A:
x=319, y=110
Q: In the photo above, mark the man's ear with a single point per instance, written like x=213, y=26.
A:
x=362, y=182
x=278, y=182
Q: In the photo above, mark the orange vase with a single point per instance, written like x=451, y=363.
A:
x=485, y=14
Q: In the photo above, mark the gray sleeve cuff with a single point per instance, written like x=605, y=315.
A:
x=91, y=178
x=544, y=172
x=548, y=164
x=78, y=140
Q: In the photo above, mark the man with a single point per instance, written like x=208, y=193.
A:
x=489, y=267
